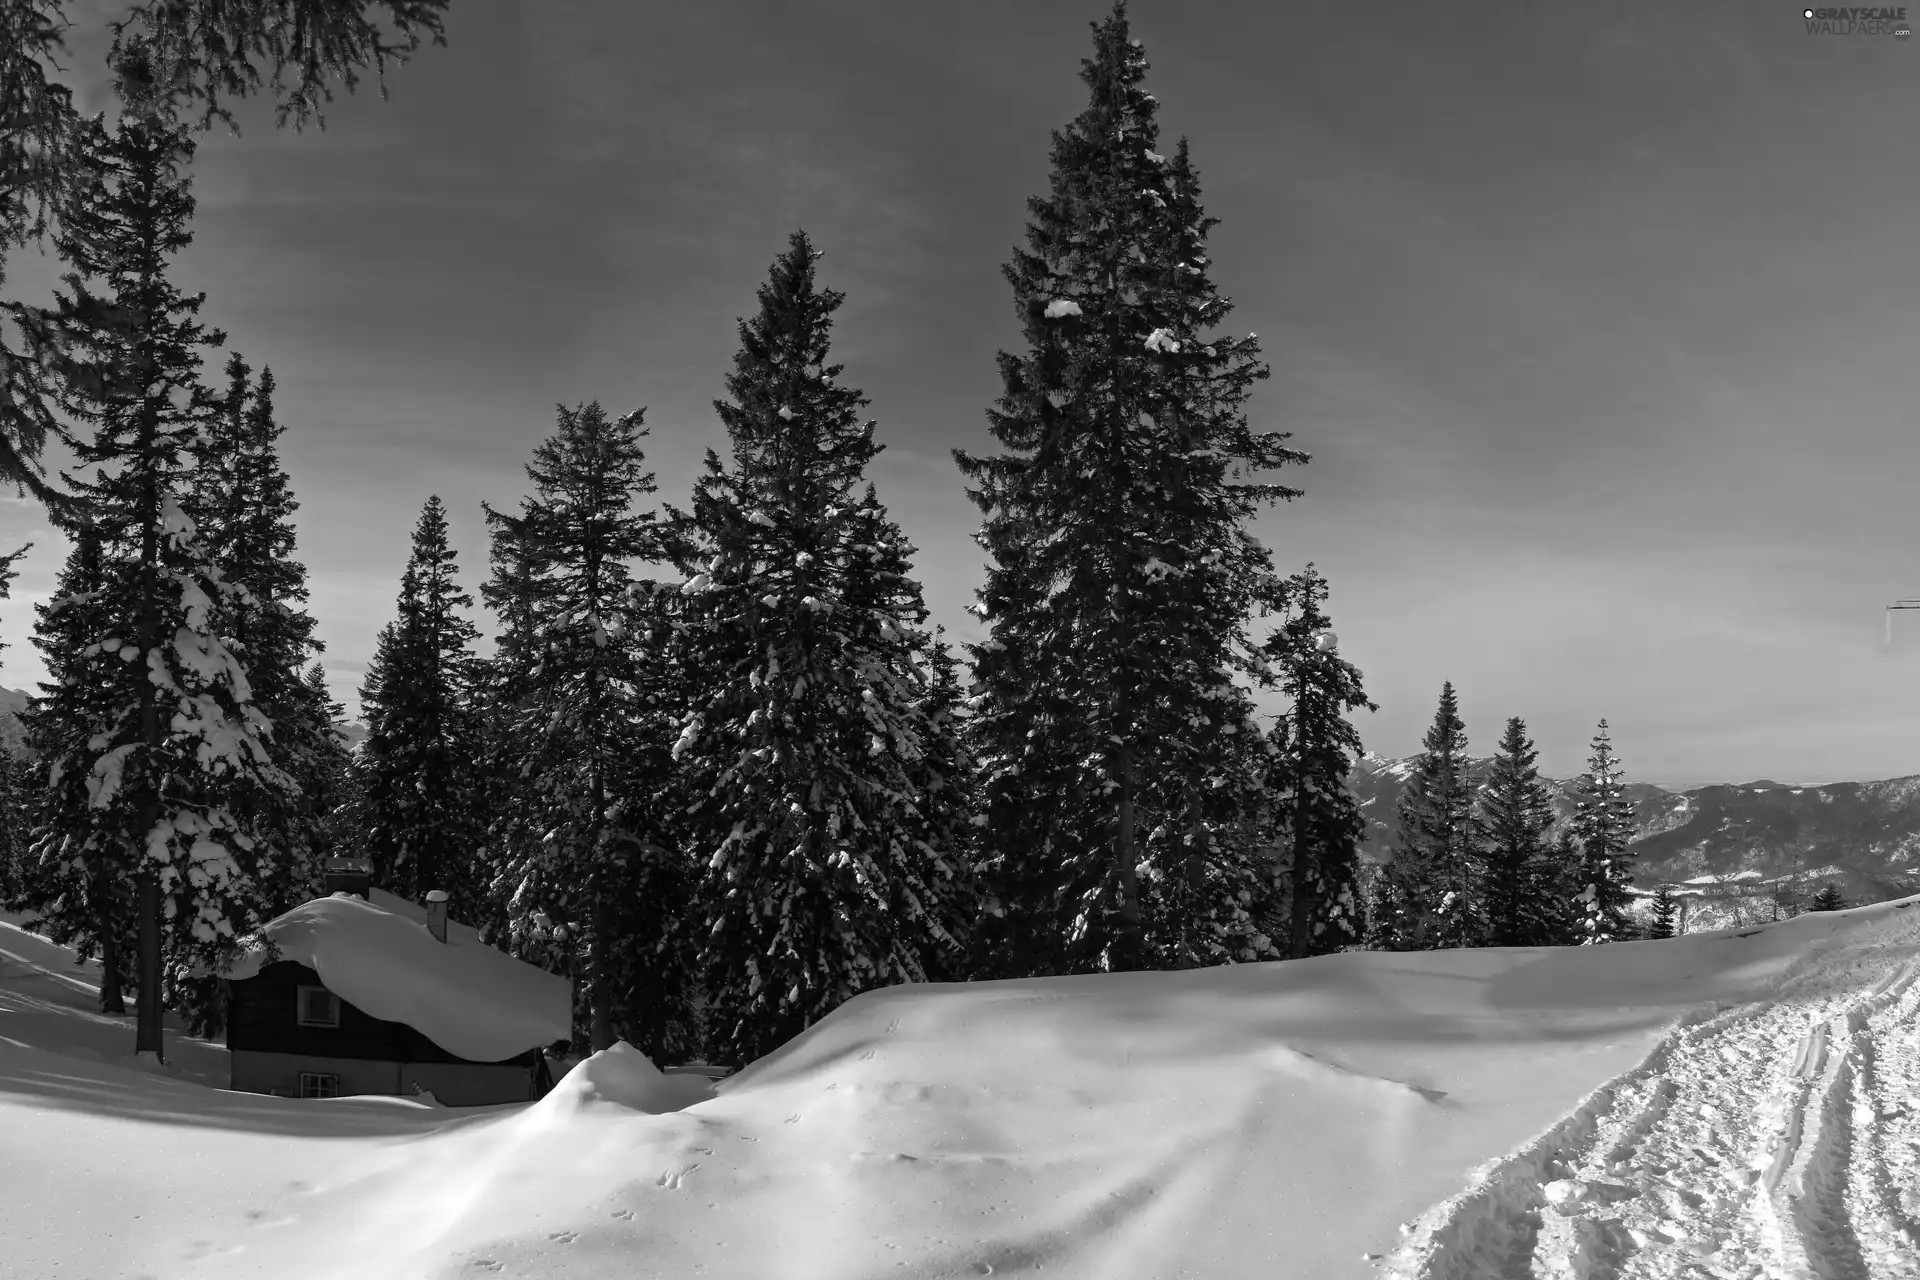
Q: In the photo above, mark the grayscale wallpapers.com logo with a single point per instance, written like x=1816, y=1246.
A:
x=1858, y=22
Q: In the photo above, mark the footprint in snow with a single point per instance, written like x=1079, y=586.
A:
x=563, y=1237
x=673, y=1178
x=488, y=1264
x=625, y=1215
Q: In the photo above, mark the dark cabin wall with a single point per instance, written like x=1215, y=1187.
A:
x=264, y=1017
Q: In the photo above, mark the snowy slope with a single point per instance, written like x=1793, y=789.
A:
x=471, y=1000
x=1615, y=1111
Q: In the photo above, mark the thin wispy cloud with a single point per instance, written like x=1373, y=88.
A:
x=1597, y=320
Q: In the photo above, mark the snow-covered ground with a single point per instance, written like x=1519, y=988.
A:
x=1715, y=1105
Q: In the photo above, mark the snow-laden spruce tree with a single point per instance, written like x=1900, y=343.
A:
x=184, y=741
x=583, y=863
x=829, y=866
x=1514, y=815
x=1317, y=824
x=73, y=876
x=1603, y=824
x=1666, y=907
x=418, y=767
x=1437, y=873
x=243, y=504
x=1121, y=571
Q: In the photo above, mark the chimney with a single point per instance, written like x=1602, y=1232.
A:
x=349, y=875
x=437, y=914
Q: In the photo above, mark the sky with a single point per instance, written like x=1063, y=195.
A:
x=1598, y=321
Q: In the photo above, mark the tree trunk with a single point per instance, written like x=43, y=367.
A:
x=1301, y=916
x=112, y=1000
x=148, y=1029
x=1196, y=859
x=599, y=980
x=1126, y=948
x=147, y=1036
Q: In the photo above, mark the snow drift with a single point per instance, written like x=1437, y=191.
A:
x=620, y=1076
x=1719, y=1104
x=472, y=1001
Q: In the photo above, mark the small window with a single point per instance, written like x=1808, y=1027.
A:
x=314, y=1084
x=319, y=1007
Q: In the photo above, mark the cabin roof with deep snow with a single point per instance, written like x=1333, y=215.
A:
x=471, y=1000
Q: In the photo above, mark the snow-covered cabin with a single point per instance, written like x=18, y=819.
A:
x=375, y=994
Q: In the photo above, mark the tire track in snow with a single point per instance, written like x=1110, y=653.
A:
x=1882, y=1116
x=1575, y=1240
x=1662, y=1196
x=1810, y=1215
x=1496, y=1226
x=1670, y=1171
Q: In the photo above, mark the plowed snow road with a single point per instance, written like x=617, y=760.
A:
x=1777, y=1138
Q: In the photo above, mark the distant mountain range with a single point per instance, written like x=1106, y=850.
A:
x=1729, y=849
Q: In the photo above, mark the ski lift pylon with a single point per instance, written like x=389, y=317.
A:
x=1897, y=604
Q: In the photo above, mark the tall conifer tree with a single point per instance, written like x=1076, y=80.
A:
x=1317, y=821
x=1603, y=824
x=829, y=867
x=1514, y=815
x=74, y=876
x=1436, y=868
x=243, y=504
x=1121, y=572
x=587, y=727
x=419, y=764
x=185, y=743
